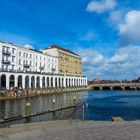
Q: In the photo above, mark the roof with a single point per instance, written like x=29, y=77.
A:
x=63, y=49
x=34, y=50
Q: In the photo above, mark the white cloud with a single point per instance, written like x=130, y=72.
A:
x=88, y=36
x=130, y=30
x=101, y=6
x=116, y=16
x=120, y=57
x=123, y=64
x=14, y=38
x=90, y=56
x=28, y=46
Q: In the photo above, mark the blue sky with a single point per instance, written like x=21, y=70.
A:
x=106, y=33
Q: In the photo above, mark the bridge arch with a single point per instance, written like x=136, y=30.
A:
x=117, y=88
x=106, y=88
x=96, y=88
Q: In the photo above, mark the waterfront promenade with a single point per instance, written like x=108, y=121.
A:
x=25, y=93
x=73, y=130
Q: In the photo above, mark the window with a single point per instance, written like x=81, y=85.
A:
x=30, y=63
x=3, y=67
x=13, y=67
x=19, y=61
x=13, y=50
x=13, y=58
x=36, y=64
x=19, y=53
x=6, y=49
x=24, y=54
x=6, y=67
x=3, y=49
x=30, y=55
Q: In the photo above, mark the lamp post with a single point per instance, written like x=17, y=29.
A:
x=28, y=112
x=74, y=101
x=83, y=107
x=53, y=107
x=28, y=109
x=53, y=104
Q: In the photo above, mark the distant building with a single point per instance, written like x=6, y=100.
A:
x=97, y=79
x=68, y=62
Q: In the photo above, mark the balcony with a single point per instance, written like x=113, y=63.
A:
x=53, y=70
x=26, y=66
x=42, y=67
x=6, y=52
x=5, y=61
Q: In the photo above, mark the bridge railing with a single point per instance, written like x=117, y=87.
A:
x=116, y=84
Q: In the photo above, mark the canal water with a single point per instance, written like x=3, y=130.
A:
x=99, y=105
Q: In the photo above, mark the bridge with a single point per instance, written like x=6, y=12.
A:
x=115, y=86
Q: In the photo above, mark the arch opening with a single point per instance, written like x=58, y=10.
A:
x=19, y=81
x=106, y=88
x=38, y=82
x=51, y=81
x=43, y=82
x=96, y=88
x=3, y=81
x=12, y=81
x=117, y=88
x=32, y=82
x=27, y=82
x=55, y=81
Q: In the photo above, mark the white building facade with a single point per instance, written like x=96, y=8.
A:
x=28, y=68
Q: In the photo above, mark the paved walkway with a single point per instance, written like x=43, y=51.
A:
x=73, y=130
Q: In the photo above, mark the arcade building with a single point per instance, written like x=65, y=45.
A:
x=28, y=68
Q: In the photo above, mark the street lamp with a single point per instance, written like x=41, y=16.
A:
x=53, y=103
x=74, y=100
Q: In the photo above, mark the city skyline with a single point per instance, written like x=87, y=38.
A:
x=105, y=33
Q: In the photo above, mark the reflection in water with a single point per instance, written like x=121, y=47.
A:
x=12, y=108
x=102, y=105
x=105, y=104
